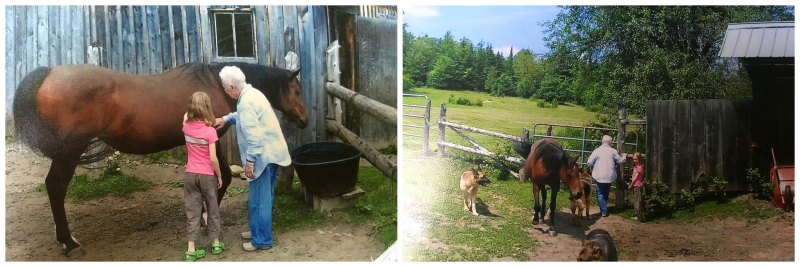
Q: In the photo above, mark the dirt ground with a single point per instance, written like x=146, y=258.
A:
x=151, y=225
x=719, y=239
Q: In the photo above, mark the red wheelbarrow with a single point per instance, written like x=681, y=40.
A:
x=783, y=191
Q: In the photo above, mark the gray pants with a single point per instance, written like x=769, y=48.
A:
x=197, y=188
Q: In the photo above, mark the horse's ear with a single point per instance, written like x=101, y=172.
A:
x=575, y=158
x=293, y=74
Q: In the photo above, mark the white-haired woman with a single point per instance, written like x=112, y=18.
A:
x=262, y=146
x=603, y=162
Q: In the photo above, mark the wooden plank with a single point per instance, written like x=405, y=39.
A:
x=276, y=36
x=185, y=36
x=19, y=42
x=80, y=36
x=651, y=133
x=172, y=37
x=380, y=162
x=481, y=152
x=382, y=112
x=42, y=35
x=318, y=71
x=193, y=34
x=698, y=141
x=683, y=151
x=306, y=64
x=205, y=31
x=101, y=33
x=30, y=43
x=165, y=38
x=482, y=131
x=154, y=38
x=667, y=145
x=115, y=41
x=177, y=36
x=52, y=36
x=128, y=49
x=10, y=73
x=261, y=28
x=290, y=34
x=713, y=137
x=140, y=38
x=91, y=18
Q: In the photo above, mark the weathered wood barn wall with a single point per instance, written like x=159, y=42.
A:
x=149, y=40
x=687, y=139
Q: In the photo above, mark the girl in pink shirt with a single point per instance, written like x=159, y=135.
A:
x=203, y=177
x=636, y=184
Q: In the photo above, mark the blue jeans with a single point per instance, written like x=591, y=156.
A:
x=259, y=206
x=602, y=196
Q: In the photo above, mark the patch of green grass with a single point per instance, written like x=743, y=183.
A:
x=505, y=207
x=235, y=191
x=726, y=209
x=290, y=212
x=81, y=188
x=502, y=114
x=389, y=150
x=154, y=157
x=378, y=205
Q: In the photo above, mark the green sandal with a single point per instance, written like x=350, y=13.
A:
x=193, y=256
x=218, y=247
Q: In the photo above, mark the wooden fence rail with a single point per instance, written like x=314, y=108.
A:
x=374, y=108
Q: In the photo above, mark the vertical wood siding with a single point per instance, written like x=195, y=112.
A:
x=148, y=40
x=687, y=139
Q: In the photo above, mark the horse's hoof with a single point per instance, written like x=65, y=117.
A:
x=553, y=233
x=534, y=222
x=75, y=252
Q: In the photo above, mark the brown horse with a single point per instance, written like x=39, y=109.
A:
x=61, y=111
x=548, y=164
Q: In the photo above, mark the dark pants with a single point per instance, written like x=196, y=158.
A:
x=602, y=196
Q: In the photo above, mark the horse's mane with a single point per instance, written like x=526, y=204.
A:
x=268, y=80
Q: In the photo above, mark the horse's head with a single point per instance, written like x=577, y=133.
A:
x=571, y=176
x=291, y=100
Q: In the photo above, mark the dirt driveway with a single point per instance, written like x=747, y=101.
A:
x=431, y=207
x=151, y=225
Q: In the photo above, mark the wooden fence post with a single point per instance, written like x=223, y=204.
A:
x=549, y=130
x=286, y=174
x=621, y=186
x=96, y=169
x=442, y=114
x=525, y=137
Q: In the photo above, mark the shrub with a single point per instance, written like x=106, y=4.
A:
x=463, y=101
x=759, y=184
x=479, y=102
x=452, y=99
x=408, y=83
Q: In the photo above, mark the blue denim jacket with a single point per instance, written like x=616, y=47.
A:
x=258, y=131
x=603, y=162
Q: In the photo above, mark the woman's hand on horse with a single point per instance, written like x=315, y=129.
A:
x=219, y=123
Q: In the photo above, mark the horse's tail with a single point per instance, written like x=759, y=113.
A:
x=31, y=130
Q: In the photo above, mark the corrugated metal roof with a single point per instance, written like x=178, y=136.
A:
x=759, y=39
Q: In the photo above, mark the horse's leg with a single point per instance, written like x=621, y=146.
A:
x=536, y=207
x=58, y=178
x=225, y=170
x=553, y=195
x=544, y=202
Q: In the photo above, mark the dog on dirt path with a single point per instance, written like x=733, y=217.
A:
x=582, y=203
x=598, y=246
x=470, y=180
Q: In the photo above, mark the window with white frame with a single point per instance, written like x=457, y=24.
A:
x=233, y=33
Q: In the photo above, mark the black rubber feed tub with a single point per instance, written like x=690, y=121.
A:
x=327, y=168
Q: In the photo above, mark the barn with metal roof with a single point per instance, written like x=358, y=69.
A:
x=766, y=51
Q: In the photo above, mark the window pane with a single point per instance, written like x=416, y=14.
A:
x=224, y=31
x=244, y=36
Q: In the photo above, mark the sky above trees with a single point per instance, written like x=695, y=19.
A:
x=502, y=26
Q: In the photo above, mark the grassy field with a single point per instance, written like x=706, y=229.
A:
x=433, y=184
x=500, y=114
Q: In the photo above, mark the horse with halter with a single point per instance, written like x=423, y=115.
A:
x=64, y=111
x=549, y=164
